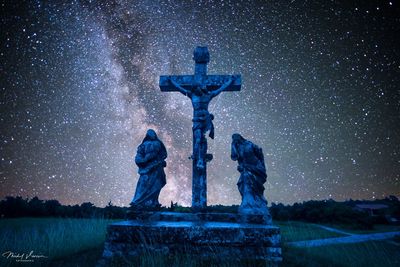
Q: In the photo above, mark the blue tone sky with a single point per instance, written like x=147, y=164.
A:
x=320, y=95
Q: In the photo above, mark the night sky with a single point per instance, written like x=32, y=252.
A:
x=320, y=94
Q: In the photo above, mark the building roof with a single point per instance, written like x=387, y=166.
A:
x=372, y=206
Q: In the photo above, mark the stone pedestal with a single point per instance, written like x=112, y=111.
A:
x=221, y=235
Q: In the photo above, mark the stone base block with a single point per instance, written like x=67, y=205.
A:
x=199, y=216
x=201, y=238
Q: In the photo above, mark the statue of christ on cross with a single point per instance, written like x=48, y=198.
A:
x=202, y=118
x=201, y=89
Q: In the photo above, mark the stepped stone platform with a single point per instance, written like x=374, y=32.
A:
x=221, y=235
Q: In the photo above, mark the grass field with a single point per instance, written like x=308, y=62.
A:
x=378, y=228
x=79, y=242
x=53, y=238
x=297, y=231
x=367, y=254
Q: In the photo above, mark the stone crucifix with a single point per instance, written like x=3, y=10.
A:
x=201, y=89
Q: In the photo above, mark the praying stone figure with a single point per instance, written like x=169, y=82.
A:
x=252, y=177
x=150, y=159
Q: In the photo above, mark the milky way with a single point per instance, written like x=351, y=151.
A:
x=320, y=95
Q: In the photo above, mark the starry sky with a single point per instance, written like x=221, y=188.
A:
x=320, y=94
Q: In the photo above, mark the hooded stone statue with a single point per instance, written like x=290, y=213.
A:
x=253, y=175
x=150, y=159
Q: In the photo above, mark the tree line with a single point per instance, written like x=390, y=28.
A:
x=330, y=211
x=316, y=211
x=12, y=207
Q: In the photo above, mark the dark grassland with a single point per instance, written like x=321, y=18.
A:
x=79, y=242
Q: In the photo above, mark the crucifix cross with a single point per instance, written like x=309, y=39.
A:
x=201, y=89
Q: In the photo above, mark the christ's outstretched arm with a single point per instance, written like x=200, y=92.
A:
x=222, y=88
x=180, y=88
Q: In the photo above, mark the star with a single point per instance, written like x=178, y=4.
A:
x=80, y=89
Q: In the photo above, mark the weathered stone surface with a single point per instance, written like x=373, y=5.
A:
x=205, y=239
x=193, y=217
x=150, y=159
x=201, y=89
x=213, y=82
x=244, y=235
x=253, y=175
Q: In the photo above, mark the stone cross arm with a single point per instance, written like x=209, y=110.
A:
x=212, y=82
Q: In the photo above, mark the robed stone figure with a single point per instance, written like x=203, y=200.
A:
x=253, y=175
x=150, y=159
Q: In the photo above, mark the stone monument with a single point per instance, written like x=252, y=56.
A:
x=150, y=159
x=201, y=89
x=247, y=234
x=253, y=175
